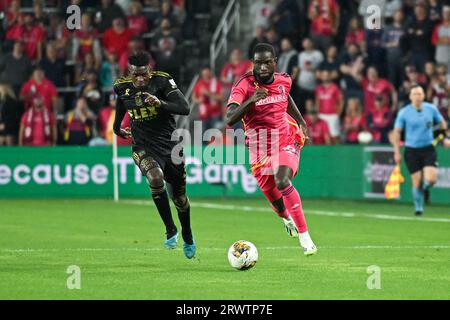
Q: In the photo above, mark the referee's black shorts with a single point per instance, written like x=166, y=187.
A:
x=418, y=158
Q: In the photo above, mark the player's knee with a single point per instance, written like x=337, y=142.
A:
x=282, y=182
x=155, y=177
x=181, y=202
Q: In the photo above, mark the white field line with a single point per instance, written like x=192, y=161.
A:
x=366, y=247
x=315, y=212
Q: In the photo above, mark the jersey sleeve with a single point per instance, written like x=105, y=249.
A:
x=169, y=85
x=437, y=117
x=400, y=121
x=238, y=93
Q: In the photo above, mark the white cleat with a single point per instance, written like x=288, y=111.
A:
x=290, y=227
x=309, y=248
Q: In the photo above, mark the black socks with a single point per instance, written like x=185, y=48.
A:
x=161, y=200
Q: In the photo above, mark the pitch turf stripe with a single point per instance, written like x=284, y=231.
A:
x=366, y=247
x=316, y=212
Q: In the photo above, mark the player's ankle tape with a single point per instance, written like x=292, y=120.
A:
x=158, y=190
x=183, y=207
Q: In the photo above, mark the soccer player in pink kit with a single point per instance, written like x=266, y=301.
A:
x=275, y=133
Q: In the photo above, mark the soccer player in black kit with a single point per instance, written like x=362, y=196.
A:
x=152, y=98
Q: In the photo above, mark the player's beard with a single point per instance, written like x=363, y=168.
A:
x=263, y=79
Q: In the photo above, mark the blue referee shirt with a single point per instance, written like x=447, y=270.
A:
x=418, y=125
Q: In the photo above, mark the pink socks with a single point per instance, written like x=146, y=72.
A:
x=293, y=203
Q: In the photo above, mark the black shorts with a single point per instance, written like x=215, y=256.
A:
x=418, y=158
x=174, y=173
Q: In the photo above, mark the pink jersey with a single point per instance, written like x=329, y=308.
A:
x=269, y=114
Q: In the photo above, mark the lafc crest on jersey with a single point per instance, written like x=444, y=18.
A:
x=143, y=111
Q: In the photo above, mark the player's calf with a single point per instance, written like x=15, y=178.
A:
x=183, y=207
x=161, y=200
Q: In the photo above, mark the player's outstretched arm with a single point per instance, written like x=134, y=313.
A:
x=236, y=112
x=176, y=103
x=396, y=134
x=293, y=111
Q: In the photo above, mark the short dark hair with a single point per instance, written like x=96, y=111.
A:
x=264, y=47
x=139, y=59
x=415, y=86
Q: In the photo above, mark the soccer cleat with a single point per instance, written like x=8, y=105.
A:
x=419, y=213
x=290, y=227
x=309, y=248
x=172, y=242
x=189, y=249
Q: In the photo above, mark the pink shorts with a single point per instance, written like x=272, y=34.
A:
x=289, y=155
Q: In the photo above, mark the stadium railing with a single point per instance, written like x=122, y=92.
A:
x=219, y=41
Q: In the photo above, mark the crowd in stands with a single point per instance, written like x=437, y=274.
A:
x=56, y=82
x=347, y=78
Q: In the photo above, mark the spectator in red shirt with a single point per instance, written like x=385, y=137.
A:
x=356, y=34
x=86, y=41
x=79, y=123
x=106, y=122
x=31, y=35
x=324, y=16
x=317, y=128
x=13, y=14
x=353, y=121
x=374, y=86
x=39, y=85
x=329, y=103
x=234, y=69
x=38, y=125
x=136, y=20
x=116, y=38
x=208, y=94
x=379, y=121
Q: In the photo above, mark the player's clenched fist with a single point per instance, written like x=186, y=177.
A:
x=151, y=99
x=259, y=94
x=124, y=133
x=446, y=142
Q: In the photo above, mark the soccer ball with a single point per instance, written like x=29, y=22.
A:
x=242, y=255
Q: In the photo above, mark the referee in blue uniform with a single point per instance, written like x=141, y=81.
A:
x=417, y=120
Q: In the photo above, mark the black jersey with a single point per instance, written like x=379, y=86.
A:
x=151, y=126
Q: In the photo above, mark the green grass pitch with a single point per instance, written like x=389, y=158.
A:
x=119, y=250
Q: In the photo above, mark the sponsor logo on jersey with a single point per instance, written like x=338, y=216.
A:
x=272, y=99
